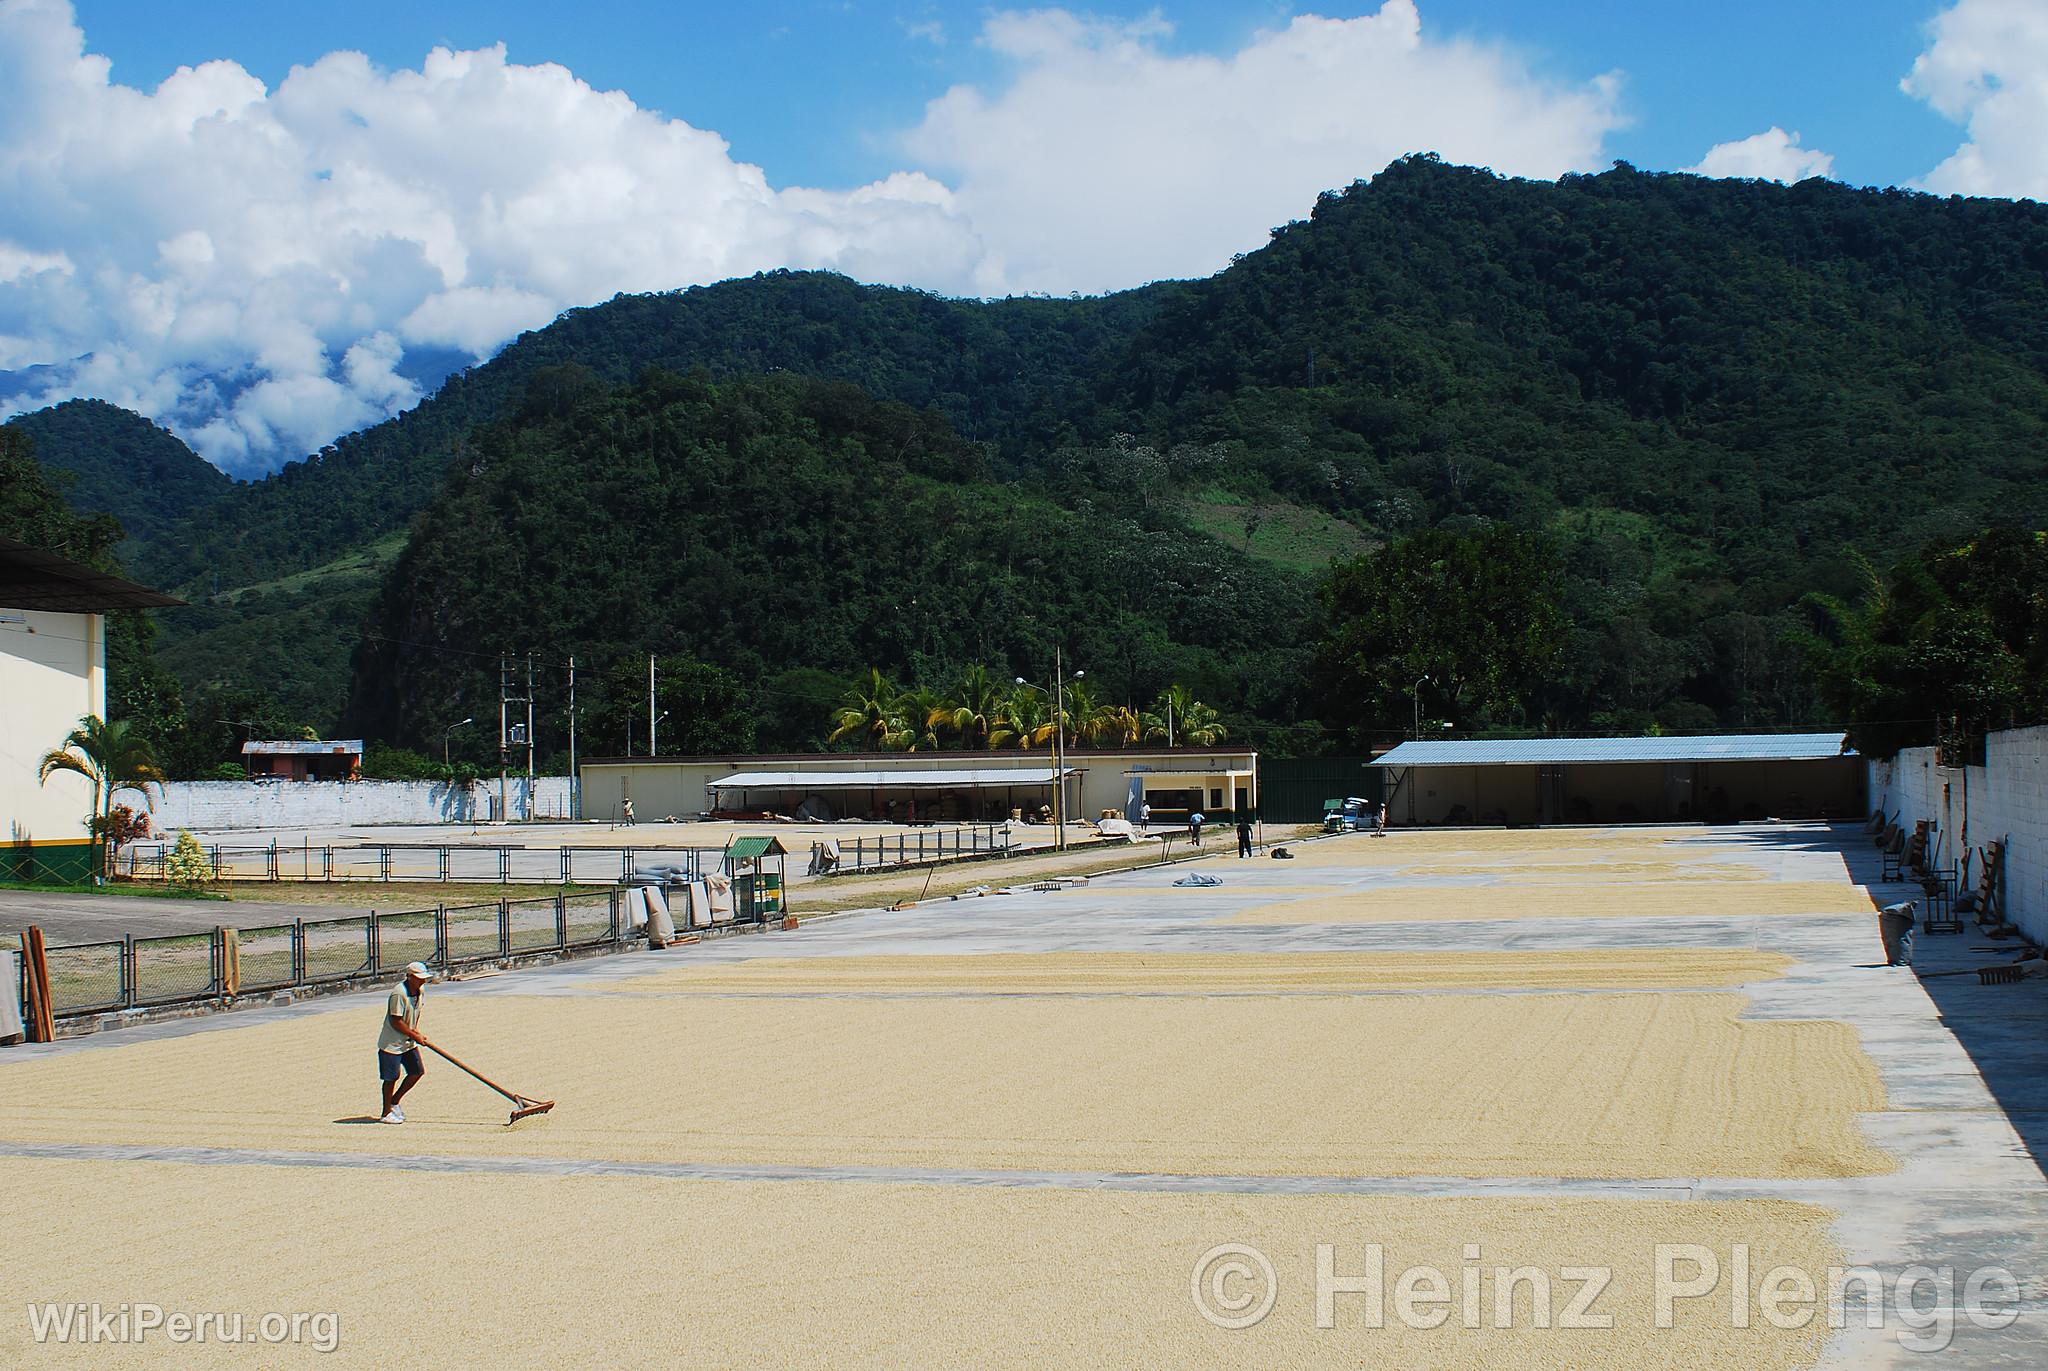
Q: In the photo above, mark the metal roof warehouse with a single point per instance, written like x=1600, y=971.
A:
x=1716, y=778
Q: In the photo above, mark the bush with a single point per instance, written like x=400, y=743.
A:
x=187, y=864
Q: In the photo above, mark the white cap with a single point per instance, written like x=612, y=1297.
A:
x=419, y=969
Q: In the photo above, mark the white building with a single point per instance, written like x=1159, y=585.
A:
x=53, y=672
x=937, y=786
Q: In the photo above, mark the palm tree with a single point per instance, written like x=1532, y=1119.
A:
x=1086, y=715
x=112, y=756
x=1025, y=719
x=1181, y=720
x=971, y=710
x=1122, y=726
x=920, y=713
x=868, y=711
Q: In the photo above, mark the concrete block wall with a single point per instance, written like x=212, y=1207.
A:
x=1972, y=806
x=216, y=806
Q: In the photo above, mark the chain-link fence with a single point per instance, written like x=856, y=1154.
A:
x=89, y=978
x=430, y=862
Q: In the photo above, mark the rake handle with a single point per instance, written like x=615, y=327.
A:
x=457, y=1061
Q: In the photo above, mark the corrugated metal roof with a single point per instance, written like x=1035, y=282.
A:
x=753, y=849
x=1720, y=747
x=958, y=778
x=315, y=747
x=31, y=578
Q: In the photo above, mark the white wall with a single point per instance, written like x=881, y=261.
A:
x=52, y=673
x=217, y=805
x=1972, y=806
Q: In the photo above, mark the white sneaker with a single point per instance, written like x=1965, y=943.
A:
x=395, y=1116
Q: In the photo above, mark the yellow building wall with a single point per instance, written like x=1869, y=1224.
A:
x=52, y=673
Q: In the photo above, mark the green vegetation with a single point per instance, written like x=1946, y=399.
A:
x=1698, y=393
x=1946, y=646
x=981, y=711
x=113, y=757
x=122, y=465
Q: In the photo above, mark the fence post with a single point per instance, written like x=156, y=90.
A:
x=612, y=913
x=441, y=934
x=298, y=951
x=505, y=866
x=128, y=971
x=374, y=936
x=504, y=928
x=561, y=923
x=565, y=866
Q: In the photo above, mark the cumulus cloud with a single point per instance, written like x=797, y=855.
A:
x=1987, y=69
x=1106, y=160
x=249, y=265
x=1773, y=155
x=262, y=269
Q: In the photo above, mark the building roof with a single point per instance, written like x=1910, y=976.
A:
x=33, y=579
x=740, y=759
x=1721, y=747
x=1039, y=773
x=754, y=849
x=315, y=747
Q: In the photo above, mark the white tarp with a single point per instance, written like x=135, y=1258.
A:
x=10, y=1007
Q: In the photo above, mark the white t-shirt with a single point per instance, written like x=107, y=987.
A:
x=406, y=1009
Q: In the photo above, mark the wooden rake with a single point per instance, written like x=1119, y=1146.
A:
x=522, y=1106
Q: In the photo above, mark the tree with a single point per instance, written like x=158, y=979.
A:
x=868, y=712
x=119, y=827
x=1474, y=612
x=973, y=705
x=1025, y=720
x=112, y=756
x=1180, y=720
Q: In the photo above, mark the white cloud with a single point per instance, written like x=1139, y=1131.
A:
x=246, y=265
x=249, y=265
x=1987, y=69
x=1773, y=155
x=1107, y=161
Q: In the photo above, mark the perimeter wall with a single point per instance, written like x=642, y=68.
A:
x=2007, y=797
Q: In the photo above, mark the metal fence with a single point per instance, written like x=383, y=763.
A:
x=427, y=862
x=132, y=972
x=925, y=845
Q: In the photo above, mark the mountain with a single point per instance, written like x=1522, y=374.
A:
x=122, y=464
x=1704, y=391
x=780, y=525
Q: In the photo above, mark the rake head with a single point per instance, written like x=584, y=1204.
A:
x=529, y=1107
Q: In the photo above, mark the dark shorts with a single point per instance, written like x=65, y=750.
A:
x=389, y=1062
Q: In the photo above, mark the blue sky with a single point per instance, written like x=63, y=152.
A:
x=267, y=225
x=814, y=93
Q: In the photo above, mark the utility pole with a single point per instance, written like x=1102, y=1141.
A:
x=504, y=738
x=529, y=737
x=1059, y=752
x=575, y=777
x=651, y=720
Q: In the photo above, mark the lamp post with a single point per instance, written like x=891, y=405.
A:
x=444, y=737
x=1059, y=747
x=651, y=734
x=1416, y=690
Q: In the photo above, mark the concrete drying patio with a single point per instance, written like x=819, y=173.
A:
x=1007, y=1130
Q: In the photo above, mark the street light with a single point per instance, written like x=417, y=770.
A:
x=1059, y=748
x=651, y=734
x=444, y=737
x=1416, y=690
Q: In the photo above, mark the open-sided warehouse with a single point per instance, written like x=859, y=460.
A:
x=1721, y=778
x=919, y=786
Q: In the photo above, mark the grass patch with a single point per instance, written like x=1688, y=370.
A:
x=1283, y=533
x=132, y=890
x=359, y=563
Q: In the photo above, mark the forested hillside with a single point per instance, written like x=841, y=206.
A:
x=1700, y=393
x=782, y=525
x=116, y=462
